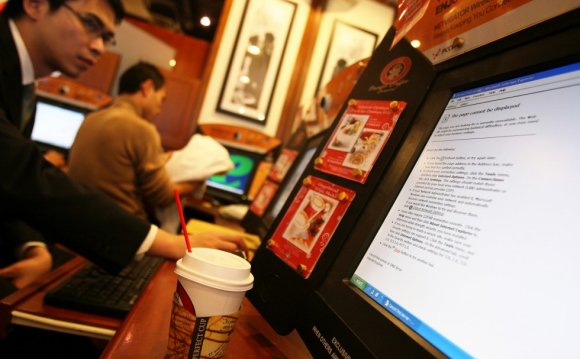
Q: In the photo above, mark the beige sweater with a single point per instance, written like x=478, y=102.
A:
x=119, y=153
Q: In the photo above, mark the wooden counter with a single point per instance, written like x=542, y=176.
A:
x=144, y=332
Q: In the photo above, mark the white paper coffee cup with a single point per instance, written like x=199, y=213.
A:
x=210, y=290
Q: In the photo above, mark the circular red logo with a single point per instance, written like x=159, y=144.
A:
x=396, y=70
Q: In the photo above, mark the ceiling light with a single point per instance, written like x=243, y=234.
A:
x=205, y=21
x=415, y=43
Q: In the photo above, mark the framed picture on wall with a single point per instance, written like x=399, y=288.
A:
x=250, y=79
x=347, y=45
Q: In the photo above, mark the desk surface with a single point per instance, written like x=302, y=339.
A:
x=144, y=332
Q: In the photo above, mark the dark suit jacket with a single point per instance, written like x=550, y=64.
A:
x=42, y=196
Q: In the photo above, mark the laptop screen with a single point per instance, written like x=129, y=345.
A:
x=56, y=125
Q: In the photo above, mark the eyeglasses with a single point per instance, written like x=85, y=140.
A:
x=94, y=26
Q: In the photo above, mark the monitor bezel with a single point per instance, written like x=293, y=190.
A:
x=336, y=297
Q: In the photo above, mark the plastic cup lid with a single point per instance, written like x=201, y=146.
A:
x=217, y=269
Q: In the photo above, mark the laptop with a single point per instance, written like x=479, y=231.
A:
x=56, y=124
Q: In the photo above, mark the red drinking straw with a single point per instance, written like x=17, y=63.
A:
x=183, y=225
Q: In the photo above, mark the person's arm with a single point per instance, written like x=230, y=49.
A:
x=146, y=153
x=86, y=221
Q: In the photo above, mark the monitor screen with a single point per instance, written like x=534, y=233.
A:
x=481, y=229
x=234, y=185
x=56, y=124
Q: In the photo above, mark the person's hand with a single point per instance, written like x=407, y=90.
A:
x=36, y=262
x=173, y=246
x=56, y=158
x=218, y=240
x=187, y=187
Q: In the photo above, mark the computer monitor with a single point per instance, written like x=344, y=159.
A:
x=291, y=179
x=56, y=124
x=469, y=245
x=233, y=186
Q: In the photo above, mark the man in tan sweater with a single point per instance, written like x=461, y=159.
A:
x=118, y=150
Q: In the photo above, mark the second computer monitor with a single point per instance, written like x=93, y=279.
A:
x=233, y=187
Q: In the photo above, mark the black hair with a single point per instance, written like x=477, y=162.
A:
x=14, y=8
x=135, y=75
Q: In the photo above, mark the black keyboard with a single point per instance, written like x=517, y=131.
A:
x=93, y=290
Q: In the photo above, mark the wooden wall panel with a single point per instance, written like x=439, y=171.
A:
x=102, y=76
x=292, y=103
x=191, y=53
x=176, y=122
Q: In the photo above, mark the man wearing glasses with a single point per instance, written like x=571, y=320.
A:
x=38, y=37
